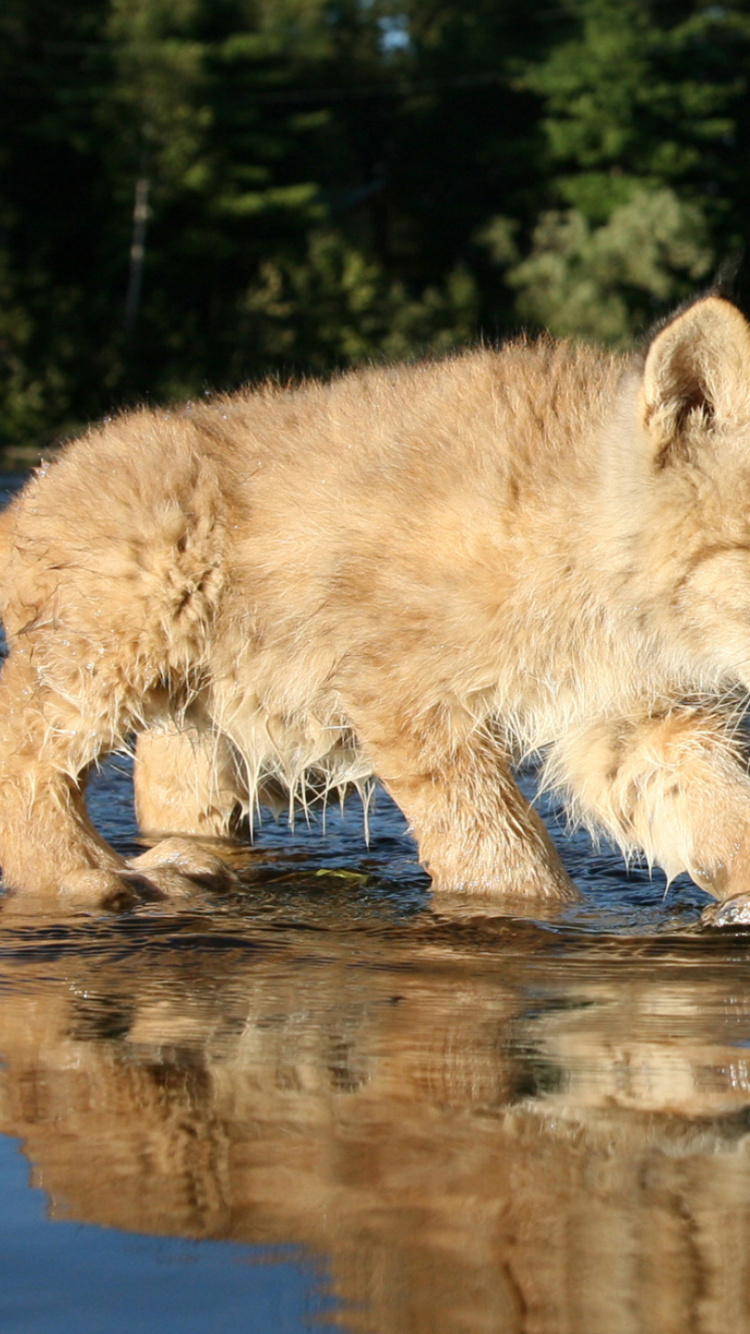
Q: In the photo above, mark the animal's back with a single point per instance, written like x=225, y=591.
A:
x=425, y=516
x=285, y=542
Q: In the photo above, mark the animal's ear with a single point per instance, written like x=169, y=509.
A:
x=697, y=372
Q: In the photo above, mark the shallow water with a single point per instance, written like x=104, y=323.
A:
x=316, y=1101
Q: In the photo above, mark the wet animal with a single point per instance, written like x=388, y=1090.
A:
x=417, y=572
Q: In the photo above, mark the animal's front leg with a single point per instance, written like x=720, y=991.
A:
x=187, y=780
x=671, y=786
x=476, y=832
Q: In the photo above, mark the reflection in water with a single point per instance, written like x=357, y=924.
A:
x=493, y=1126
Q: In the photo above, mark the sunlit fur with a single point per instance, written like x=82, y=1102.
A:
x=419, y=572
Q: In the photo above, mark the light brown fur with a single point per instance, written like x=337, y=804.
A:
x=419, y=573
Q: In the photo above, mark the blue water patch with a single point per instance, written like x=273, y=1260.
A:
x=61, y=1277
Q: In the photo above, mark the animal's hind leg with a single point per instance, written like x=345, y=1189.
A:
x=48, y=740
x=47, y=842
x=478, y=837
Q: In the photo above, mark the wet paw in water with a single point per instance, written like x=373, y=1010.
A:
x=173, y=869
x=95, y=887
x=732, y=912
x=182, y=859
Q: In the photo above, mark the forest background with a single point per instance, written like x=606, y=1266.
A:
x=194, y=193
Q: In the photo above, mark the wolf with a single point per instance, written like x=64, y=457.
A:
x=417, y=573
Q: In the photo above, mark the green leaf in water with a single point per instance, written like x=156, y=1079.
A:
x=338, y=873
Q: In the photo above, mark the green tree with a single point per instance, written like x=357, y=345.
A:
x=51, y=233
x=602, y=282
x=194, y=192
x=337, y=307
x=645, y=119
x=179, y=165
x=646, y=93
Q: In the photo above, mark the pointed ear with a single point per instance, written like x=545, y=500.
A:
x=697, y=372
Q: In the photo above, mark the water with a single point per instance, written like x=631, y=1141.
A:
x=313, y=1102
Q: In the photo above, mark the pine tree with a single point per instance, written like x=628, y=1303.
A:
x=645, y=119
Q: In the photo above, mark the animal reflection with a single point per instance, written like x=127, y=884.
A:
x=468, y=1145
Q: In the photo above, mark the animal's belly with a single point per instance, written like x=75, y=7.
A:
x=295, y=758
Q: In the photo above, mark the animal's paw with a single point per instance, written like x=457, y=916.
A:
x=732, y=912
x=97, y=888
x=173, y=869
x=181, y=861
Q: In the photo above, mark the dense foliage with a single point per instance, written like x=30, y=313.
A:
x=194, y=192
